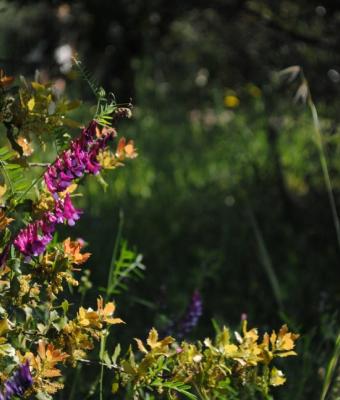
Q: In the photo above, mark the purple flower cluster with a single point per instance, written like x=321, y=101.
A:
x=192, y=315
x=18, y=383
x=185, y=325
x=80, y=158
x=32, y=240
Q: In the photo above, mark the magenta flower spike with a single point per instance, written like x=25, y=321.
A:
x=79, y=159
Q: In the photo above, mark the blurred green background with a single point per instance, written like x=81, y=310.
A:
x=227, y=195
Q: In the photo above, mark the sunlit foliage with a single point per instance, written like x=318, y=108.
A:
x=43, y=335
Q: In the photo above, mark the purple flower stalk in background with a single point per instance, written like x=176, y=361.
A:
x=18, y=383
x=190, y=319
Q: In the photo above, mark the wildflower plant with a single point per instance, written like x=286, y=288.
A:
x=42, y=335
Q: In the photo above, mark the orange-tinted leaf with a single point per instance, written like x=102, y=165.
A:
x=4, y=221
x=72, y=251
x=25, y=145
x=5, y=80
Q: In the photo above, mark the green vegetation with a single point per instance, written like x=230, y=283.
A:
x=235, y=191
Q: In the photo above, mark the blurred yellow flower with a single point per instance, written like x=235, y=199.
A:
x=231, y=101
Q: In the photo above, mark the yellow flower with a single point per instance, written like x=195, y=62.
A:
x=276, y=377
x=231, y=101
x=106, y=313
x=95, y=319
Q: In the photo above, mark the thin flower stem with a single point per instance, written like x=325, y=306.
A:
x=38, y=164
x=201, y=394
x=101, y=356
x=35, y=181
x=75, y=382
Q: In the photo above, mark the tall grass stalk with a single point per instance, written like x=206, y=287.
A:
x=108, y=291
x=115, y=253
x=303, y=93
x=324, y=166
x=331, y=367
x=265, y=258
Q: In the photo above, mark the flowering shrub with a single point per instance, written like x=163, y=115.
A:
x=41, y=334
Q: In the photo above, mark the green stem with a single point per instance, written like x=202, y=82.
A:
x=200, y=394
x=75, y=382
x=331, y=369
x=114, y=254
x=265, y=258
x=101, y=356
x=26, y=191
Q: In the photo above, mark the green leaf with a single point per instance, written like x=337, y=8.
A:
x=65, y=306
x=116, y=353
x=43, y=396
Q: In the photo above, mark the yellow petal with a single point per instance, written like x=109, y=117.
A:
x=31, y=104
x=153, y=338
x=276, y=377
x=113, y=321
x=141, y=346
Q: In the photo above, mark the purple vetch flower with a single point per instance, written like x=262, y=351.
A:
x=66, y=212
x=18, y=383
x=191, y=316
x=92, y=164
x=80, y=158
x=33, y=239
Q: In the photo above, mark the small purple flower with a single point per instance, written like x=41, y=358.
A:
x=66, y=212
x=92, y=164
x=18, y=383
